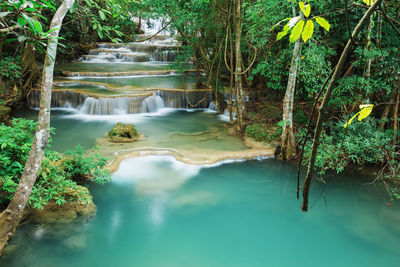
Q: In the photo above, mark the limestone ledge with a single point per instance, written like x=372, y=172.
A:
x=201, y=157
x=123, y=73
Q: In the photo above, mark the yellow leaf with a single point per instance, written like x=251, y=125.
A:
x=362, y=114
x=306, y=9
x=308, y=30
x=365, y=111
x=325, y=24
x=296, y=32
x=352, y=118
x=369, y=2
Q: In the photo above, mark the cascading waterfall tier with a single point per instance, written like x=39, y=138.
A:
x=151, y=102
x=161, y=49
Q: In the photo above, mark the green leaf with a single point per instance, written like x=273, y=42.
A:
x=324, y=24
x=38, y=26
x=296, y=32
x=21, y=21
x=100, y=34
x=306, y=9
x=102, y=15
x=308, y=30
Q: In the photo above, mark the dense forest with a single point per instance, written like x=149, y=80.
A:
x=318, y=80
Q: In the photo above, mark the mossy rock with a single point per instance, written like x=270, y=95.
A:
x=123, y=133
x=4, y=114
x=274, y=113
x=261, y=132
x=66, y=213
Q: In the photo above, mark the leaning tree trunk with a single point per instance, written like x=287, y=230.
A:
x=10, y=218
x=322, y=110
x=240, y=105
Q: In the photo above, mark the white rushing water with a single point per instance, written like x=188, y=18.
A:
x=152, y=104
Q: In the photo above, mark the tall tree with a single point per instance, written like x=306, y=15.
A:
x=288, y=145
x=240, y=104
x=11, y=217
x=322, y=110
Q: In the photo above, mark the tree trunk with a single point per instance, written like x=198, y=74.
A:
x=384, y=117
x=231, y=78
x=10, y=218
x=369, y=61
x=288, y=145
x=322, y=112
x=395, y=117
x=240, y=105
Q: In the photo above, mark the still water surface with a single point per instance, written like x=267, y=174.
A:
x=160, y=212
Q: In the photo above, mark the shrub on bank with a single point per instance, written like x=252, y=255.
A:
x=58, y=175
x=360, y=144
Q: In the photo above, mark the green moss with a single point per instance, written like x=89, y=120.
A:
x=123, y=133
x=272, y=112
x=258, y=131
x=4, y=114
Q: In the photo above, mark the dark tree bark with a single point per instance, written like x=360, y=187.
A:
x=11, y=217
x=322, y=110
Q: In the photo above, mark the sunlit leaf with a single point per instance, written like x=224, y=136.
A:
x=362, y=114
x=306, y=9
x=283, y=33
x=293, y=22
x=308, y=30
x=296, y=32
x=365, y=111
x=369, y=2
x=324, y=24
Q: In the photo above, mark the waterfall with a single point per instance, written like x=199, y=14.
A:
x=152, y=104
x=87, y=104
x=212, y=106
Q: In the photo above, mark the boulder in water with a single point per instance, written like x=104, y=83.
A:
x=66, y=213
x=123, y=133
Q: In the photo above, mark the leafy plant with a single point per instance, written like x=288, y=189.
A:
x=302, y=28
x=59, y=174
x=10, y=68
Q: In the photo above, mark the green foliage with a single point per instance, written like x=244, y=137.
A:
x=58, y=175
x=300, y=118
x=26, y=15
x=263, y=133
x=78, y=165
x=10, y=68
x=360, y=144
x=300, y=27
x=258, y=131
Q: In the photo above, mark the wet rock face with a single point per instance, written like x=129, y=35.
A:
x=122, y=133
